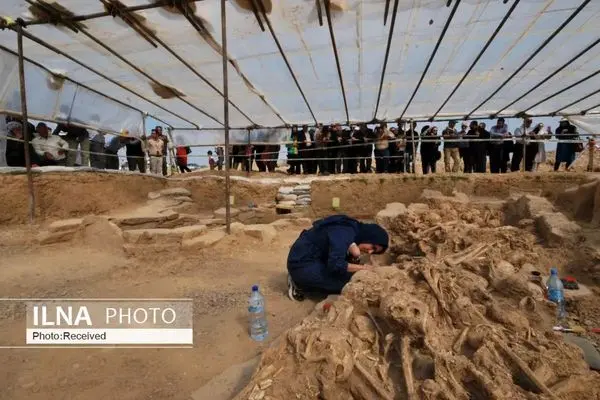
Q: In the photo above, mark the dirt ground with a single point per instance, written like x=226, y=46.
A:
x=218, y=279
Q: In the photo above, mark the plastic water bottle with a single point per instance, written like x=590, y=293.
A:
x=556, y=293
x=258, y=320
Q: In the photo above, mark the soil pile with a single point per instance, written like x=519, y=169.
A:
x=454, y=317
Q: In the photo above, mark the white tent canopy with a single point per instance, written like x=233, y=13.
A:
x=436, y=58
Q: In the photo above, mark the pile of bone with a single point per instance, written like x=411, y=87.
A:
x=291, y=197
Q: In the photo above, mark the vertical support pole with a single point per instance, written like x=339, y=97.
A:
x=172, y=152
x=592, y=148
x=143, y=139
x=25, y=128
x=226, y=116
x=250, y=155
x=414, y=152
x=524, y=169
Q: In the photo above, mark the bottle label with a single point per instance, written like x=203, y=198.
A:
x=555, y=295
x=255, y=309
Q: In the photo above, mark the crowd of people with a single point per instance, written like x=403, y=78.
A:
x=320, y=150
x=333, y=149
x=96, y=150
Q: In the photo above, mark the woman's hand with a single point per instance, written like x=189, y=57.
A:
x=354, y=250
x=358, y=267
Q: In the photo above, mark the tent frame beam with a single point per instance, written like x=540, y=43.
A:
x=432, y=56
x=546, y=79
x=55, y=17
x=387, y=50
x=145, y=74
x=337, y=58
x=285, y=59
x=186, y=11
x=483, y=50
x=532, y=56
x=571, y=86
x=79, y=18
x=587, y=96
x=195, y=72
x=50, y=47
x=32, y=62
x=415, y=119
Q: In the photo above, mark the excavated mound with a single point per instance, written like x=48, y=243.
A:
x=453, y=318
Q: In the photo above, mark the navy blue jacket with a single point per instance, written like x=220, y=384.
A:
x=325, y=244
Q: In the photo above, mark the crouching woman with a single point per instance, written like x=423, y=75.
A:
x=323, y=258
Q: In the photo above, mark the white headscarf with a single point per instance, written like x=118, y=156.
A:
x=11, y=126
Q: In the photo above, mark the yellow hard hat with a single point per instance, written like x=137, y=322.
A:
x=124, y=132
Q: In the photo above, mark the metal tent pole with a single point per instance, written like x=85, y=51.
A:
x=25, y=127
x=524, y=168
x=226, y=116
x=249, y=155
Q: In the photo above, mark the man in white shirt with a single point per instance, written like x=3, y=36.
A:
x=155, y=151
x=524, y=132
x=51, y=149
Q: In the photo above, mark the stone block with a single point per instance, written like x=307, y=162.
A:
x=286, y=203
x=220, y=213
x=175, y=192
x=302, y=189
x=286, y=197
x=203, y=241
x=144, y=236
x=212, y=221
x=183, y=199
x=191, y=231
x=153, y=195
x=66, y=225
x=391, y=211
x=580, y=200
x=55, y=237
x=246, y=217
x=266, y=233
x=527, y=207
x=556, y=229
x=286, y=190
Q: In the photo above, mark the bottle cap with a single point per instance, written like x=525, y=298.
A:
x=553, y=271
x=255, y=288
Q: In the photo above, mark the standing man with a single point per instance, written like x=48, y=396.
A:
x=165, y=150
x=75, y=137
x=498, y=133
x=98, y=150
x=135, y=155
x=463, y=147
x=523, y=133
x=114, y=145
x=412, y=144
x=155, y=150
x=51, y=149
x=470, y=152
x=220, y=157
x=482, y=149
x=451, y=148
